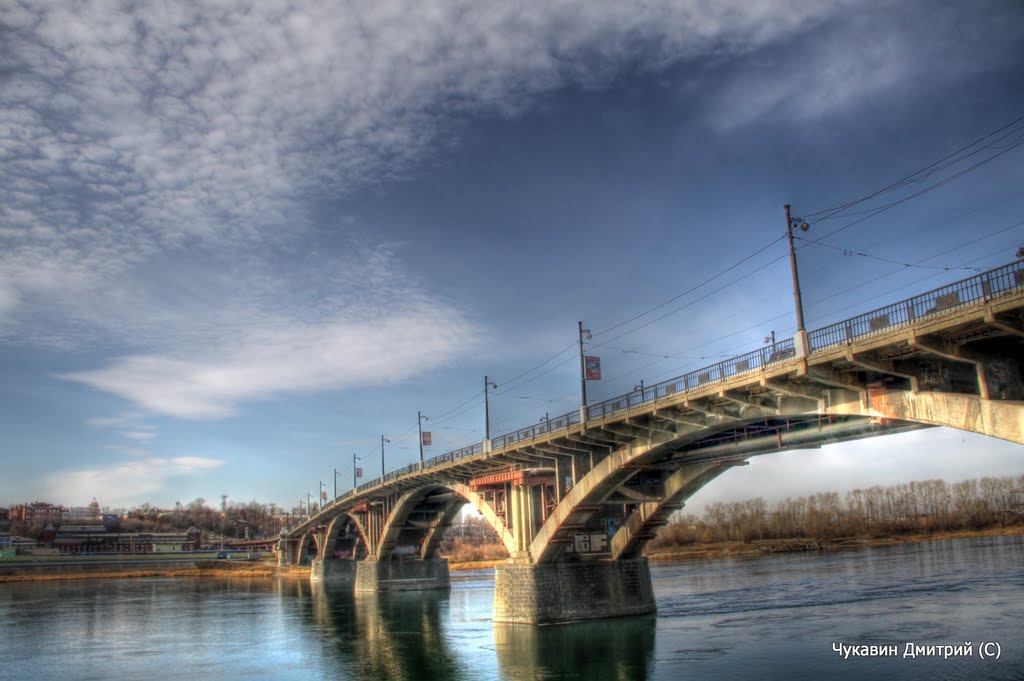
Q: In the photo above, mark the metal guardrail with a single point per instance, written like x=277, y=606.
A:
x=940, y=301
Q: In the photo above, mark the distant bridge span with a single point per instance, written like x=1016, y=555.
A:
x=575, y=499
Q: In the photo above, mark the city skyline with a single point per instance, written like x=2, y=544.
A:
x=239, y=247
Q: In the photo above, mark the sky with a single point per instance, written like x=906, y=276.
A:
x=240, y=242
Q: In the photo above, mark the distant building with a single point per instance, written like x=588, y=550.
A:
x=90, y=512
x=36, y=511
x=25, y=543
x=74, y=539
x=5, y=514
x=5, y=540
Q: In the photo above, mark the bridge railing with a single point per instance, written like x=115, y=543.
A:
x=550, y=425
x=755, y=360
x=939, y=301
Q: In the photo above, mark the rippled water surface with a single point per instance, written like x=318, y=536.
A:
x=764, y=618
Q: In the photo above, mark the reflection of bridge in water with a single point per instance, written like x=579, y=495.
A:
x=405, y=635
x=575, y=499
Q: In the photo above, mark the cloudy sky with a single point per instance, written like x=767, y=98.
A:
x=241, y=241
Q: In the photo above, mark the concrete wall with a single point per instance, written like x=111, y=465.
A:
x=401, y=575
x=551, y=593
x=334, y=571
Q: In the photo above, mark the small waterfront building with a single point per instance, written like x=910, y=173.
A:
x=25, y=543
x=76, y=539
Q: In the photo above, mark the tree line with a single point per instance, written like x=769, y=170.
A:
x=921, y=506
x=235, y=519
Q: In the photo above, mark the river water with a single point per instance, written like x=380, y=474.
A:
x=765, y=618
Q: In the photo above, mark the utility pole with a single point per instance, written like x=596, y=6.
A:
x=320, y=497
x=382, y=441
x=420, y=418
x=583, y=377
x=309, y=509
x=487, y=408
x=335, y=483
x=790, y=224
x=355, y=478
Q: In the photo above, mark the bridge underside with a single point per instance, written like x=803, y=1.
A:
x=576, y=504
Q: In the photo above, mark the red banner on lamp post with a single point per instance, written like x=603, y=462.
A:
x=323, y=495
x=593, y=368
x=359, y=472
x=426, y=438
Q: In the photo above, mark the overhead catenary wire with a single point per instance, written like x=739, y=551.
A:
x=881, y=209
x=930, y=169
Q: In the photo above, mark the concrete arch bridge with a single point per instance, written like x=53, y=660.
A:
x=575, y=499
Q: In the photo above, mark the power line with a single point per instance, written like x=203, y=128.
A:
x=876, y=211
x=692, y=289
x=695, y=300
x=850, y=252
x=913, y=177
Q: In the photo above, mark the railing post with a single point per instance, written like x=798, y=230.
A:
x=801, y=344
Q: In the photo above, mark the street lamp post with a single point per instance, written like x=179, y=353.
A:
x=583, y=377
x=420, y=418
x=790, y=224
x=309, y=509
x=487, y=408
x=641, y=389
x=320, y=498
x=355, y=478
x=336, y=474
x=801, y=333
x=382, y=441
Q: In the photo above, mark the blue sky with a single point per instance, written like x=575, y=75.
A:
x=242, y=242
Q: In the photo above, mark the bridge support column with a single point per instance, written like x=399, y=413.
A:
x=333, y=571
x=552, y=593
x=287, y=552
x=378, y=576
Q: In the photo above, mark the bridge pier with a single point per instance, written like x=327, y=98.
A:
x=334, y=571
x=553, y=593
x=288, y=552
x=378, y=576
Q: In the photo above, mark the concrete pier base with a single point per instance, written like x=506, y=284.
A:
x=334, y=571
x=552, y=593
x=401, y=575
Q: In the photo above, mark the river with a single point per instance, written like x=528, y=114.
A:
x=771, y=617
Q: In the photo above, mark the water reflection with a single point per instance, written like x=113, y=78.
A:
x=391, y=636
x=621, y=649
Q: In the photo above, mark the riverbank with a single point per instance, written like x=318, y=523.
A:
x=770, y=546
x=268, y=569
x=124, y=570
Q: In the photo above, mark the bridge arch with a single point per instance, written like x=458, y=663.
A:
x=448, y=500
x=648, y=478
x=339, y=525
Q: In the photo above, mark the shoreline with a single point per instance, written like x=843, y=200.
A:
x=767, y=547
x=715, y=551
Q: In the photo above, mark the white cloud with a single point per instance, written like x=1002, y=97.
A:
x=138, y=435
x=128, y=483
x=283, y=359
x=868, y=57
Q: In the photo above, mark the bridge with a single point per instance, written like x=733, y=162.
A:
x=576, y=498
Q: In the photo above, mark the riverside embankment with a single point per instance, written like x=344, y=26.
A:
x=29, y=568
